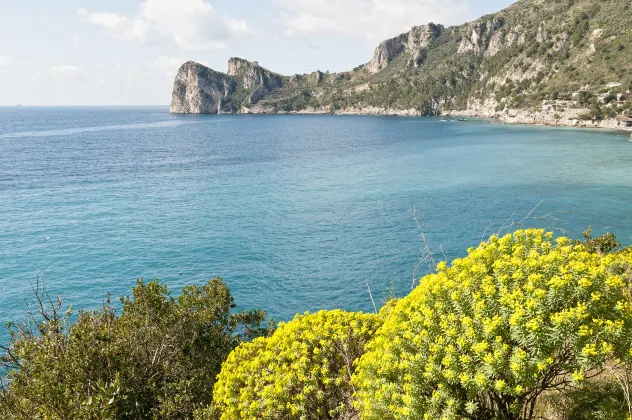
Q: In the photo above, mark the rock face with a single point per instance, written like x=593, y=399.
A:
x=495, y=44
x=236, y=63
x=253, y=75
x=414, y=43
x=547, y=116
x=516, y=36
x=481, y=37
x=199, y=90
x=527, y=63
x=386, y=52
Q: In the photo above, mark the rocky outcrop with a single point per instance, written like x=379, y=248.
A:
x=495, y=44
x=235, y=64
x=543, y=34
x=414, y=43
x=254, y=78
x=199, y=90
x=481, y=37
x=419, y=41
x=547, y=115
x=515, y=35
x=253, y=75
x=317, y=77
x=510, y=61
x=386, y=52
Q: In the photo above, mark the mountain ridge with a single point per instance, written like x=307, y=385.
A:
x=561, y=62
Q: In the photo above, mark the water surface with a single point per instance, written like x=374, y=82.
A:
x=294, y=212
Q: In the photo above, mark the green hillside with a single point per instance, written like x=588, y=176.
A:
x=572, y=57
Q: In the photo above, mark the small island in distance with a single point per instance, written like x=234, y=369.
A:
x=549, y=63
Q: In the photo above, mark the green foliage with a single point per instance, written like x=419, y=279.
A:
x=597, y=399
x=602, y=245
x=585, y=98
x=523, y=327
x=567, y=57
x=582, y=24
x=485, y=337
x=302, y=371
x=157, y=359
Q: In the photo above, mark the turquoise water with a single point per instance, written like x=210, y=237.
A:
x=294, y=212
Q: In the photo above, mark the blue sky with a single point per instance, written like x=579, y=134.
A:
x=126, y=52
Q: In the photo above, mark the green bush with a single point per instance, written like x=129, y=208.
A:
x=598, y=399
x=485, y=337
x=302, y=371
x=158, y=359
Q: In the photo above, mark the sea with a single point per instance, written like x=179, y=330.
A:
x=296, y=213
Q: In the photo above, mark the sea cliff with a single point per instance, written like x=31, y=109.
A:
x=549, y=63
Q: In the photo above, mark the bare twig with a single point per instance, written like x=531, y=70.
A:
x=426, y=256
x=550, y=222
x=370, y=295
x=443, y=252
x=621, y=372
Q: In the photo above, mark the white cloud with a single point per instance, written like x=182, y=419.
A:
x=7, y=61
x=10, y=61
x=119, y=26
x=170, y=63
x=191, y=24
x=283, y=41
x=71, y=72
x=164, y=62
x=366, y=19
x=75, y=39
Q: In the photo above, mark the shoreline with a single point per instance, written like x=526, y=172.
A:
x=519, y=117
x=510, y=117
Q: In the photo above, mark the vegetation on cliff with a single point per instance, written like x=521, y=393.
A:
x=525, y=326
x=567, y=57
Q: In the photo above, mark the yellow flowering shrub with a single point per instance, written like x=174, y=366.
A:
x=302, y=371
x=483, y=338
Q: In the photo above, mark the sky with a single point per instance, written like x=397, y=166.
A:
x=126, y=52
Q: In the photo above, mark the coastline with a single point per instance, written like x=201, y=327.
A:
x=368, y=111
x=548, y=118
x=521, y=117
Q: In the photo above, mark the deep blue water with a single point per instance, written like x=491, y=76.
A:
x=294, y=212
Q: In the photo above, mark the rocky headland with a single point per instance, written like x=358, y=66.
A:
x=547, y=63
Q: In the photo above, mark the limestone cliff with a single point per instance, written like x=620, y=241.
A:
x=562, y=62
x=386, y=52
x=199, y=90
x=414, y=44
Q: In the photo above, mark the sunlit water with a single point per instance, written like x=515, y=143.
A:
x=296, y=213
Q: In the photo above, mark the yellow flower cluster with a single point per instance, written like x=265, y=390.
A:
x=494, y=322
x=303, y=371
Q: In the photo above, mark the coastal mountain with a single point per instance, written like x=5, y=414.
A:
x=558, y=62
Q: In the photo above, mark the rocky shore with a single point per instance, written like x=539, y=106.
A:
x=200, y=90
x=543, y=63
x=569, y=118
x=376, y=111
x=544, y=117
